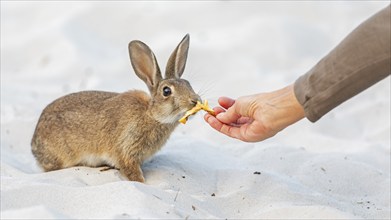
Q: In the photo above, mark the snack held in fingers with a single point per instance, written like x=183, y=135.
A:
x=200, y=106
x=121, y=130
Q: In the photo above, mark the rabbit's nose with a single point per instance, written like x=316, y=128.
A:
x=195, y=99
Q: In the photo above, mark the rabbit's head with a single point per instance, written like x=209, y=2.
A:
x=171, y=96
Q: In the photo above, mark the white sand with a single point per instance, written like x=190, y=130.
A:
x=336, y=168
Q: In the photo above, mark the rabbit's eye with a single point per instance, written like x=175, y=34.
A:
x=166, y=91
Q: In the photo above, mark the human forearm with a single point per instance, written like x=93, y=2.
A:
x=281, y=108
x=359, y=61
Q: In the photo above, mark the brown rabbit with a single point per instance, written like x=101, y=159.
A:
x=121, y=130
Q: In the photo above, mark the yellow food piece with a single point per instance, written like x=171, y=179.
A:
x=200, y=106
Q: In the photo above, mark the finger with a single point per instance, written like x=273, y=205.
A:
x=228, y=130
x=226, y=102
x=231, y=131
x=206, y=117
x=228, y=117
x=218, y=110
x=212, y=121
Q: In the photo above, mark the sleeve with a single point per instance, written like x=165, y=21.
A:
x=362, y=59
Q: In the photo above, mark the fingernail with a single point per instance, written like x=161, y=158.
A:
x=210, y=120
x=221, y=115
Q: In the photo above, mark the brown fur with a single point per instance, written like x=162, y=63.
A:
x=95, y=128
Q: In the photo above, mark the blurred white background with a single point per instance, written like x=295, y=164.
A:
x=52, y=48
x=70, y=46
x=49, y=49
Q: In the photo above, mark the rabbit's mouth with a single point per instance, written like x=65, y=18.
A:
x=199, y=106
x=192, y=102
x=170, y=115
x=185, y=104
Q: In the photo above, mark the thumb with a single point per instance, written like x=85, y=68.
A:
x=243, y=107
x=230, y=116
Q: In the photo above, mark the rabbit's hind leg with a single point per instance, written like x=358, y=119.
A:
x=47, y=161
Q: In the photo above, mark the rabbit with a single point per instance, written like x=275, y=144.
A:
x=119, y=130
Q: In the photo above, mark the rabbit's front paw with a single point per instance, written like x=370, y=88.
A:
x=133, y=172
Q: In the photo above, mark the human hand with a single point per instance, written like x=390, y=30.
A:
x=256, y=117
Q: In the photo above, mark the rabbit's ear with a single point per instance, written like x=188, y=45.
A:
x=144, y=64
x=177, y=62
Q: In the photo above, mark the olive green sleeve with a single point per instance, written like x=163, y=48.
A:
x=359, y=61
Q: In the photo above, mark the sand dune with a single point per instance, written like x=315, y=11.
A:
x=337, y=168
